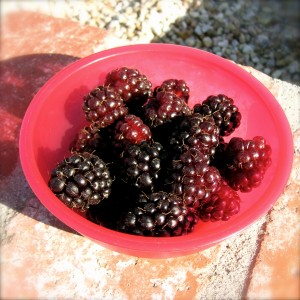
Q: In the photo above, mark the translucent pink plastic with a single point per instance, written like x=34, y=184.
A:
x=55, y=116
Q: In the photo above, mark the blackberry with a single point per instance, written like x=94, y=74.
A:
x=81, y=180
x=176, y=86
x=133, y=129
x=196, y=131
x=164, y=107
x=158, y=214
x=220, y=205
x=226, y=115
x=86, y=140
x=192, y=177
x=103, y=106
x=94, y=140
x=245, y=162
x=130, y=84
x=139, y=165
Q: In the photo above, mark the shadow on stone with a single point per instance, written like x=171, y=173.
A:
x=20, y=79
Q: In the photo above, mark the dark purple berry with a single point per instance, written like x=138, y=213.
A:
x=225, y=113
x=176, y=86
x=103, y=106
x=158, y=214
x=130, y=84
x=81, y=180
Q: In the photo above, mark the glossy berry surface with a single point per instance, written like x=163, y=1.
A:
x=158, y=214
x=103, y=106
x=196, y=131
x=176, y=86
x=139, y=165
x=130, y=84
x=132, y=129
x=225, y=113
x=81, y=180
x=220, y=205
x=245, y=162
x=192, y=177
x=164, y=107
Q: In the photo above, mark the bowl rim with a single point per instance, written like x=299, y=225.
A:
x=150, y=245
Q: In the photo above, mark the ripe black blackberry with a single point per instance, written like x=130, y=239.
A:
x=191, y=177
x=164, y=107
x=220, y=205
x=226, y=115
x=103, y=106
x=81, y=180
x=177, y=86
x=245, y=162
x=196, y=131
x=139, y=165
x=130, y=84
x=158, y=214
x=132, y=129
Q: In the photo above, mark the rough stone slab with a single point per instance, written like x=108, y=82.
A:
x=41, y=258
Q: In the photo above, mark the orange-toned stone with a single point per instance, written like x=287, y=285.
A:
x=35, y=33
x=276, y=274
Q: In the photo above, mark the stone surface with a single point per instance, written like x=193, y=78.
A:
x=41, y=258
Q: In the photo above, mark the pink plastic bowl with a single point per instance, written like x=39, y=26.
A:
x=55, y=116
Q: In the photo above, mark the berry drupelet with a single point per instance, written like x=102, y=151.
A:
x=81, y=180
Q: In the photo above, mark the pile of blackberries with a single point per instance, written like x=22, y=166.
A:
x=148, y=164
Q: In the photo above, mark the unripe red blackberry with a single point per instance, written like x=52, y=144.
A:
x=133, y=129
x=81, y=180
x=103, y=106
x=176, y=86
x=245, y=162
x=225, y=113
x=130, y=84
x=164, y=107
x=220, y=205
x=158, y=214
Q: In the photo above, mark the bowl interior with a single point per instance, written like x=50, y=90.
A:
x=55, y=116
